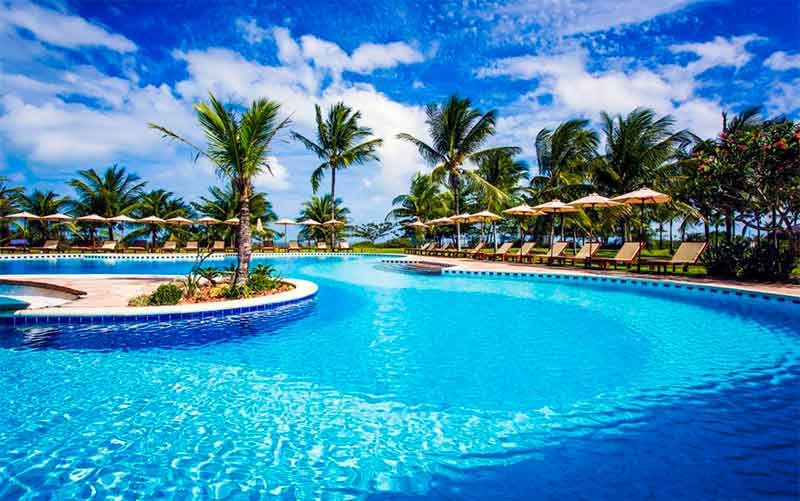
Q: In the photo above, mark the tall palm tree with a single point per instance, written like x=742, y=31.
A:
x=504, y=174
x=238, y=145
x=44, y=203
x=159, y=203
x=224, y=203
x=564, y=156
x=458, y=131
x=9, y=199
x=318, y=208
x=111, y=193
x=340, y=143
x=424, y=201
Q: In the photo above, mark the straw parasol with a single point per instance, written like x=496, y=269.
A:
x=554, y=207
x=232, y=221
x=285, y=222
x=417, y=226
x=457, y=220
x=152, y=221
x=523, y=210
x=643, y=196
x=122, y=219
x=208, y=220
x=93, y=220
x=593, y=201
x=178, y=220
x=333, y=223
x=486, y=216
x=57, y=217
x=23, y=216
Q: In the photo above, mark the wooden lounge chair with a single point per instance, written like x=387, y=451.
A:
x=344, y=246
x=586, y=252
x=108, y=246
x=17, y=245
x=523, y=253
x=500, y=253
x=473, y=252
x=268, y=246
x=136, y=246
x=441, y=251
x=48, y=247
x=432, y=248
x=424, y=248
x=322, y=246
x=626, y=256
x=169, y=246
x=294, y=246
x=556, y=251
x=688, y=253
x=217, y=246
x=191, y=246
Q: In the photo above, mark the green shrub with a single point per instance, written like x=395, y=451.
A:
x=262, y=278
x=742, y=258
x=166, y=294
x=140, y=300
x=237, y=292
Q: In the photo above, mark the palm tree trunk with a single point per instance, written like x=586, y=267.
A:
x=111, y=231
x=670, y=236
x=244, y=249
x=333, y=205
x=458, y=211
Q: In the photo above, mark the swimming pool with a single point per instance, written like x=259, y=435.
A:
x=397, y=386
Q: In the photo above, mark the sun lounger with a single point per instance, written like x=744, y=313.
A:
x=322, y=246
x=473, y=252
x=500, y=253
x=169, y=246
x=17, y=245
x=217, y=246
x=626, y=256
x=268, y=246
x=430, y=250
x=49, y=246
x=108, y=246
x=419, y=250
x=137, y=246
x=523, y=253
x=688, y=253
x=191, y=246
x=441, y=251
x=556, y=251
x=294, y=246
x=344, y=246
x=586, y=252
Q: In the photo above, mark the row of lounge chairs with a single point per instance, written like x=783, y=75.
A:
x=54, y=246
x=688, y=253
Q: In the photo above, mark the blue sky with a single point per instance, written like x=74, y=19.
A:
x=79, y=81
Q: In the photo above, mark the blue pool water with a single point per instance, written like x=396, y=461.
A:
x=399, y=386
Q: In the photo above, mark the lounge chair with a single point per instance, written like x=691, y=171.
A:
x=17, y=245
x=344, y=246
x=191, y=246
x=137, y=246
x=523, y=253
x=441, y=251
x=294, y=246
x=556, y=251
x=322, y=246
x=49, y=246
x=430, y=250
x=500, y=253
x=217, y=246
x=586, y=253
x=169, y=246
x=268, y=246
x=473, y=252
x=424, y=248
x=688, y=253
x=626, y=255
x=108, y=246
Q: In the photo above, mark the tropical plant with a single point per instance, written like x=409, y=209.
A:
x=238, y=144
x=224, y=203
x=165, y=205
x=9, y=197
x=318, y=208
x=458, y=132
x=111, y=193
x=44, y=203
x=373, y=231
x=565, y=157
x=340, y=143
x=423, y=202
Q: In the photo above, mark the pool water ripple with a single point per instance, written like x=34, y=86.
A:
x=392, y=385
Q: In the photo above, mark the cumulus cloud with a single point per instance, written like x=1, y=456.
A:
x=785, y=97
x=277, y=180
x=63, y=30
x=251, y=31
x=783, y=61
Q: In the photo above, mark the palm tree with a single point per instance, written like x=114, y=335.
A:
x=163, y=204
x=424, y=201
x=44, y=203
x=458, y=131
x=318, y=208
x=238, y=145
x=639, y=148
x=9, y=198
x=502, y=172
x=564, y=156
x=114, y=192
x=224, y=203
x=341, y=142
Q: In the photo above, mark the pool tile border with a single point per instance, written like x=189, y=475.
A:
x=304, y=290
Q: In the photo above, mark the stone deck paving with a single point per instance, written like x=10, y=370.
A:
x=483, y=265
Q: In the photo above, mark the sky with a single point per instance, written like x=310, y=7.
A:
x=79, y=81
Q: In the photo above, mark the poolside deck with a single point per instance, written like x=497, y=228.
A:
x=478, y=265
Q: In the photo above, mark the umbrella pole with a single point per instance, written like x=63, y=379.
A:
x=641, y=239
x=562, y=226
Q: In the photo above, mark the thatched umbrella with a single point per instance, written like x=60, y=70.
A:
x=93, y=220
x=522, y=210
x=333, y=223
x=555, y=207
x=484, y=217
x=593, y=201
x=417, y=226
x=285, y=222
x=643, y=196
x=24, y=216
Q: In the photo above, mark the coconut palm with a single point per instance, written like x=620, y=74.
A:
x=111, y=193
x=9, y=199
x=340, y=143
x=238, y=144
x=564, y=156
x=224, y=203
x=319, y=208
x=424, y=201
x=44, y=203
x=458, y=132
x=159, y=203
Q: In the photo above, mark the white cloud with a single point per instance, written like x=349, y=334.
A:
x=278, y=180
x=251, y=31
x=718, y=52
x=785, y=98
x=369, y=56
x=63, y=30
x=783, y=61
